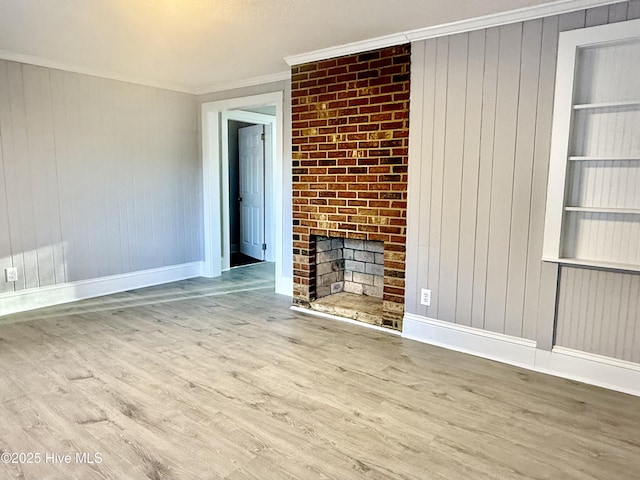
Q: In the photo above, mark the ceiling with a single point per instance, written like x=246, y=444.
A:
x=190, y=45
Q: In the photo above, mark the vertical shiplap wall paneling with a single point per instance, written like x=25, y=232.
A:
x=539, y=303
x=523, y=176
x=597, y=16
x=5, y=240
x=437, y=171
x=51, y=169
x=135, y=224
x=6, y=259
x=138, y=225
x=14, y=207
x=186, y=208
x=417, y=119
x=80, y=248
x=453, y=153
x=173, y=180
x=122, y=177
x=90, y=183
x=60, y=131
x=176, y=181
x=509, y=56
x=426, y=90
x=470, y=178
x=591, y=305
x=483, y=143
x=618, y=12
x=165, y=180
x=98, y=177
x=152, y=181
x=60, y=245
x=22, y=194
x=617, y=307
x=485, y=175
x=599, y=311
x=37, y=173
x=112, y=186
x=549, y=273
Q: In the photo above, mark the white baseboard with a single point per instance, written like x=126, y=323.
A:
x=590, y=368
x=495, y=346
x=69, y=292
x=562, y=362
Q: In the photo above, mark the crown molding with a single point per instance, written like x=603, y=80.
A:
x=248, y=82
x=348, y=49
x=43, y=62
x=494, y=20
x=528, y=13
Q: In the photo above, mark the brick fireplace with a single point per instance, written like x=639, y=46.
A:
x=347, y=265
x=350, y=150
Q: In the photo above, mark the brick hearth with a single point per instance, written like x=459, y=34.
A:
x=350, y=153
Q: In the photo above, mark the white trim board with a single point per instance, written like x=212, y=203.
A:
x=494, y=20
x=494, y=346
x=590, y=368
x=96, y=72
x=70, y=292
x=247, y=82
x=212, y=186
x=562, y=362
x=519, y=15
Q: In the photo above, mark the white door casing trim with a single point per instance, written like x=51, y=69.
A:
x=212, y=187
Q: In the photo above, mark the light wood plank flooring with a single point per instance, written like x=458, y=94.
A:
x=218, y=379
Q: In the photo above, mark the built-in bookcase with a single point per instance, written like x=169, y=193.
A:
x=593, y=203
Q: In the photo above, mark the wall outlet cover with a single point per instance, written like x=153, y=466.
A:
x=11, y=274
x=425, y=297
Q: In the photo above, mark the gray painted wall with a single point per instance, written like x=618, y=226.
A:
x=97, y=177
x=481, y=116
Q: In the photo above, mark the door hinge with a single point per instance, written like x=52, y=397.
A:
x=264, y=246
x=262, y=136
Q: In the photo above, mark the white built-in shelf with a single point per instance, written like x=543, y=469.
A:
x=595, y=264
x=632, y=211
x=595, y=159
x=620, y=104
x=577, y=158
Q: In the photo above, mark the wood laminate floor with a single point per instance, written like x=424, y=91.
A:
x=218, y=379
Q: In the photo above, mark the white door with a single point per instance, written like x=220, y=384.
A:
x=251, y=150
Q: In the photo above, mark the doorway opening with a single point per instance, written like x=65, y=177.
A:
x=250, y=165
x=217, y=200
x=247, y=176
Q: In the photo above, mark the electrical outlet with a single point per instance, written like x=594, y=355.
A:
x=11, y=274
x=425, y=297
